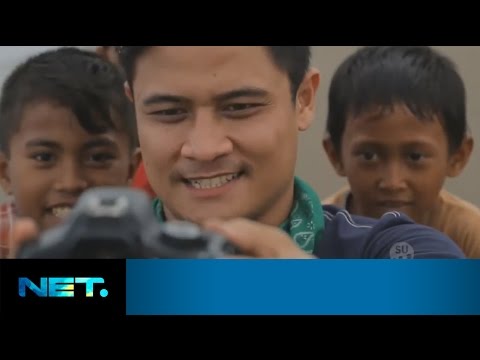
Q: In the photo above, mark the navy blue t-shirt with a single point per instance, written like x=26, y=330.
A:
x=393, y=236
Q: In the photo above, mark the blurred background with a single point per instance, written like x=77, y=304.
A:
x=313, y=165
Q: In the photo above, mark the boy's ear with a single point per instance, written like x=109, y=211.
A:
x=5, y=182
x=134, y=163
x=333, y=156
x=459, y=159
x=128, y=91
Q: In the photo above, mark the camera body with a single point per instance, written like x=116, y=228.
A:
x=119, y=223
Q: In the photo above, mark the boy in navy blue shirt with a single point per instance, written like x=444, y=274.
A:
x=397, y=129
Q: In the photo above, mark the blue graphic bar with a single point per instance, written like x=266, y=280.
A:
x=303, y=287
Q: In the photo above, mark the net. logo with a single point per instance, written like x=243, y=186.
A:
x=62, y=287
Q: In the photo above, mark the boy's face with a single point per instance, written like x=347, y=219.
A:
x=394, y=161
x=218, y=130
x=53, y=160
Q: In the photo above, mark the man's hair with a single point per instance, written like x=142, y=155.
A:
x=384, y=76
x=294, y=60
x=80, y=80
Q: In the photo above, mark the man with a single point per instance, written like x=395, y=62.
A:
x=218, y=128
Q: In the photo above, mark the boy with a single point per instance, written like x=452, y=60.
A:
x=65, y=126
x=397, y=129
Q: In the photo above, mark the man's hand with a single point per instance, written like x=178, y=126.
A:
x=23, y=230
x=253, y=239
x=257, y=240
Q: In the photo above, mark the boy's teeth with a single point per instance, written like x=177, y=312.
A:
x=212, y=182
x=61, y=211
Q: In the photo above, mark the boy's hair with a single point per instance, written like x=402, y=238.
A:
x=294, y=60
x=384, y=76
x=92, y=88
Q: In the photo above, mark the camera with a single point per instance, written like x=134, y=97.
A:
x=119, y=223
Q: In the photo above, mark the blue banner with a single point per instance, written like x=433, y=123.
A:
x=303, y=287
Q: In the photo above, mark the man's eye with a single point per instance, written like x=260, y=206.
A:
x=240, y=107
x=169, y=112
x=171, y=115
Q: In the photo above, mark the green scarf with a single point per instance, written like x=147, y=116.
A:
x=305, y=223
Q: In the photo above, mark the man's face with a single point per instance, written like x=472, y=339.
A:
x=218, y=131
x=53, y=160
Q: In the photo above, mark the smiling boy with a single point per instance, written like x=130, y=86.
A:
x=65, y=126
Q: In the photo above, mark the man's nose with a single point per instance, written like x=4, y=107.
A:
x=207, y=139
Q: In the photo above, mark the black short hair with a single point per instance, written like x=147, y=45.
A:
x=418, y=77
x=77, y=79
x=294, y=60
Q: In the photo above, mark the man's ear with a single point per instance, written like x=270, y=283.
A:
x=334, y=156
x=5, y=181
x=306, y=99
x=459, y=159
x=128, y=91
x=135, y=160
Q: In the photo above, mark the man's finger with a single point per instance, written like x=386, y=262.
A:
x=257, y=240
x=243, y=239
